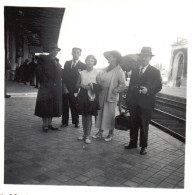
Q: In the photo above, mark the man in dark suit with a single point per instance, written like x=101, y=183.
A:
x=70, y=77
x=145, y=82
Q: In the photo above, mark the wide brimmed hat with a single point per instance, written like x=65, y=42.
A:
x=129, y=62
x=53, y=46
x=146, y=51
x=113, y=53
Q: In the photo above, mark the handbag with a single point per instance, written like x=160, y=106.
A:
x=122, y=122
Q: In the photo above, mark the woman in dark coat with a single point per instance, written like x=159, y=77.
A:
x=49, y=99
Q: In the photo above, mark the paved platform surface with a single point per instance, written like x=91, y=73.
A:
x=57, y=158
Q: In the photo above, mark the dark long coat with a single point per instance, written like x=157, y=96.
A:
x=49, y=98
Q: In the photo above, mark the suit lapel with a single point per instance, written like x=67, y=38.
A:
x=146, y=73
x=78, y=65
x=69, y=64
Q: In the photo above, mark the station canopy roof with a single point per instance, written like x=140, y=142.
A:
x=39, y=25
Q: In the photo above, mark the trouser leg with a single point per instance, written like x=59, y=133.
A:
x=134, y=124
x=73, y=108
x=145, y=118
x=65, y=109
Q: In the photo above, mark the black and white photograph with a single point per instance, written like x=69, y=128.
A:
x=94, y=97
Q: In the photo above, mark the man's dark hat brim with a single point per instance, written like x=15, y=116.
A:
x=147, y=54
x=146, y=51
x=54, y=48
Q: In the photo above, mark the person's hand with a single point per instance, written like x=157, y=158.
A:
x=87, y=87
x=66, y=91
x=119, y=107
x=90, y=85
x=114, y=91
x=143, y=90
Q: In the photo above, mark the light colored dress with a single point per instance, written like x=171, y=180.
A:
x=89, y=77
x=110, y=81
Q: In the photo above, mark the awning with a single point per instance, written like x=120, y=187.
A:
x=40, y=25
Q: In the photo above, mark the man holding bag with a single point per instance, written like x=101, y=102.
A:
x=145, y=82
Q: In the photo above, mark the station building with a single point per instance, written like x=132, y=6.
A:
x=178, y=63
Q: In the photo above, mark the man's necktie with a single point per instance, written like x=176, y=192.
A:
x=141, y=71
x=73, y=65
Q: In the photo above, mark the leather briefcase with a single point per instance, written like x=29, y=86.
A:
x=122, y=122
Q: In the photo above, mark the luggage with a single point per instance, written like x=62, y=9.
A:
x=122, y=122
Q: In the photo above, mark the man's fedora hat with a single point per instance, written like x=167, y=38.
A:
x=146, y=51
x=53, y=46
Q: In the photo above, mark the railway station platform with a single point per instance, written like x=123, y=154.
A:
x=56, y=158
x=179, y=92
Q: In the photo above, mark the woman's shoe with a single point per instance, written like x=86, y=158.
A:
x=45, y=129
x=87, y=141
x=98, y=135
x=81, y=137
x=53, y=128
x=109, y=138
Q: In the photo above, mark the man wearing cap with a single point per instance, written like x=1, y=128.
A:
x=70, y=78
x=145, y=82
x=49, y=98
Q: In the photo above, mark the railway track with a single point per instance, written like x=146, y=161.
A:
x=169, y=116
x=177, y=108
x=169, y=123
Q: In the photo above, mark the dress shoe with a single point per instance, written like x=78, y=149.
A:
x=109, y=138
x=130, y=146
x=53, y=128
x=63, y=125
x=143, y=151
x=45, y=129
x=81, y=137
x=98, y=135
x=76, y=125
x=87, y=140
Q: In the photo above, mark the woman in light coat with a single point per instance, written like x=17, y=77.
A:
x=112, y=81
